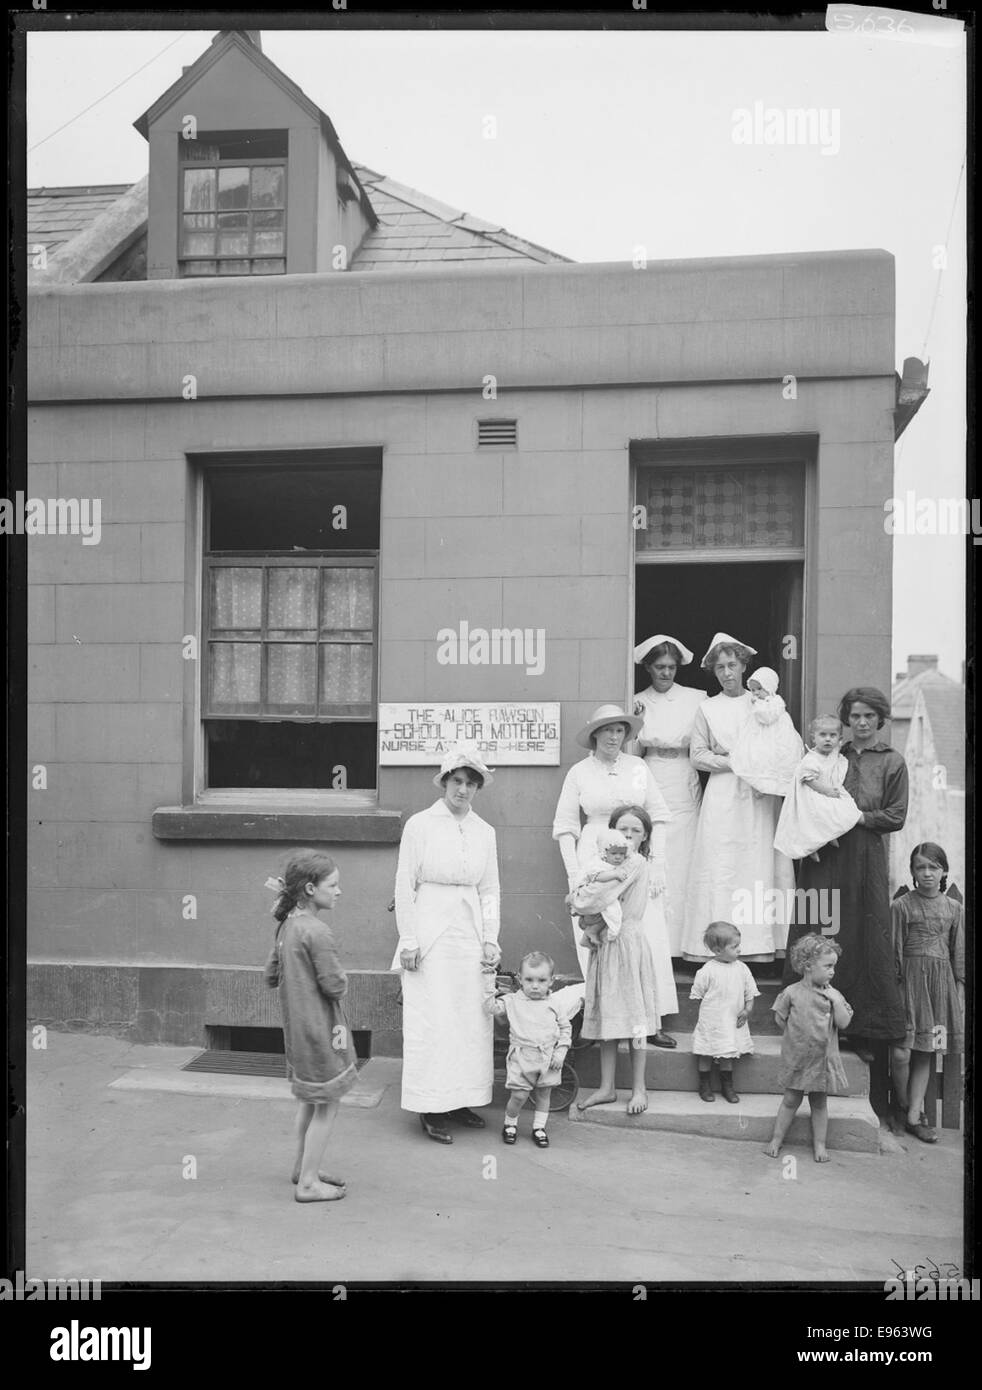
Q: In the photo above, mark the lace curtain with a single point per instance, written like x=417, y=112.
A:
x=302, y=646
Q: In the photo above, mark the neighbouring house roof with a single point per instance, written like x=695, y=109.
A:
x=944, y=706
x=413, y=231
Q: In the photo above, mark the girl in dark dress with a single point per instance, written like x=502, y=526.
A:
x=857, y=873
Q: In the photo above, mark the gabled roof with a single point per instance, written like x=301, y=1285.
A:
x=904, y=692
x=943, y=704
x=220, y=45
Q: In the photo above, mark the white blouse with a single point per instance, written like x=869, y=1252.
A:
x=451, y=864
x=597, y=789
x=668, y=716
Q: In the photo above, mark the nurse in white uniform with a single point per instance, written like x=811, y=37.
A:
x=447, y=912
x=669, y=711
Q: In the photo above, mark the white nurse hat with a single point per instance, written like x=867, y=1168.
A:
x=643, y=648
x=723, y=639
x=463, y=755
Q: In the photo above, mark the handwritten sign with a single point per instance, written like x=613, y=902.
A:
x=504, y=733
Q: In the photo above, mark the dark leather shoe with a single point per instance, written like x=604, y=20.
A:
x=661, y=1039
x=436, y=1127
x=509, y=1134
x=463, y=1116
x=706, y=1087
x=540, y=1139
x=726, y=1086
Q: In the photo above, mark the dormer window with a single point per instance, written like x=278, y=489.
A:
x=233, y=203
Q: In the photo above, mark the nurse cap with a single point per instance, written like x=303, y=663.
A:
x=643, y=648
x=463, y=755
x=723, y=639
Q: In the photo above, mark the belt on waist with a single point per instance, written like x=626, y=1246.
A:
x=666, y=752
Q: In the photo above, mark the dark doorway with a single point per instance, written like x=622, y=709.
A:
x=759, y=602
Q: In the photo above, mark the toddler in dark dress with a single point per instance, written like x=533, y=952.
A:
x=809, y=1014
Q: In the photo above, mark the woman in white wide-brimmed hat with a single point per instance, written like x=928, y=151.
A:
x=447, y=912
x=669, y=711
x=735, y=875
x=594, y=788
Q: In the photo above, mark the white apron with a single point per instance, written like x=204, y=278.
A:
x=736, y=875
x=663, y=742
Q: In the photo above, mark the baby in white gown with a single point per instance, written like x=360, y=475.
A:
x=768, y=749
x=595, y=897
x=818, y=808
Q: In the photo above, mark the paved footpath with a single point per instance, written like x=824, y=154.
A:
x=107, y=1199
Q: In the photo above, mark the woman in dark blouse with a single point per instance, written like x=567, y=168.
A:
x=857, y=872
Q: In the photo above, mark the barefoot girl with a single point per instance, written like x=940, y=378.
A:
x=621, y=999
x=929, y=946
x=809, y=1014
x=726, y=991
x=304, y=966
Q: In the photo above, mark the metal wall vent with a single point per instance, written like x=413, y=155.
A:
x=497, y=434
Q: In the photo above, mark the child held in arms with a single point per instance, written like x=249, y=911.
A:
x=595, y=898
x=769, y=749
x=817, y=808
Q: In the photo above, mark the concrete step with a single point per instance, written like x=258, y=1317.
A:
x=852, y=1122
x=762, y=1020
x=675, y=1069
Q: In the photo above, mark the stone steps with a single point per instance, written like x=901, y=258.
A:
x=852, y=1124
x=675, y=1069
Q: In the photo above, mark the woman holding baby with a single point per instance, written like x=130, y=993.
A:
x=607, y=778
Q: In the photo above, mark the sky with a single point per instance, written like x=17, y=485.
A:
x=604, y=142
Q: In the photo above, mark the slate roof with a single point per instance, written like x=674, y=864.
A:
x=55, y=215
x=414, y=231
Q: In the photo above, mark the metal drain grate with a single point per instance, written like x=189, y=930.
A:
x=244, y=1063
x=238, y=1063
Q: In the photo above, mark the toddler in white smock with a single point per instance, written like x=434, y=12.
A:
x=817, y=808
x=726, y=991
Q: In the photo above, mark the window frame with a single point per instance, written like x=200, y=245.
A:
x=279, y=161
x=202, y=465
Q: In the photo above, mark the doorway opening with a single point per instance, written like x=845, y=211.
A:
x=759, y=602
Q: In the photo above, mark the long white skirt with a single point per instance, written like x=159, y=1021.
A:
x=678, y=783
x=447, y=1056
x=736, y=874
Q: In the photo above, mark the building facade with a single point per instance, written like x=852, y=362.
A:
x=307, y=473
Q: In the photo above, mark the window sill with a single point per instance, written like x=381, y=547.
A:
x=349, y=820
